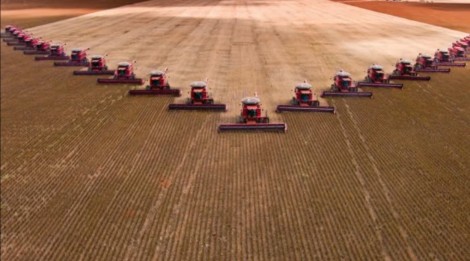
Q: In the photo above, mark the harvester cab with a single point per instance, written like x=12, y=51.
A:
x=304, y=95
x=98, y=63
x=251, y=111
x=441, y=56
x=56, y=50
x=343, y=82
x=403, y=67
x=125, y=70
x=199, y=93
x=158, y=79
x=375, y=73
x=424, y=61
x=78, y=55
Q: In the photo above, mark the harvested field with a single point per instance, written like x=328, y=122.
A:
x=88, y=172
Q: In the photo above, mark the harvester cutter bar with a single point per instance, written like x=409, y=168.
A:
x=385, y=85
x=89, y=72
x=165, y=91
x=439, y=70
x=121, y=81
x=281, y=108
x=72, y=63
x=452, y=64
x=410, y=78
x=51, y=58
x=209, y=107
x=346, y=94
x=253, y=127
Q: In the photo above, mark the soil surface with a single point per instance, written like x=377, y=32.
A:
x=88, y=172
x=452, y=14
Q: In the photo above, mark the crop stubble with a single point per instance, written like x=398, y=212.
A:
x=87, y=168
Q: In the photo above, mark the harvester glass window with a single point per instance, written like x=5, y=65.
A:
x=122, y=71
x=75, y=56
x=198, y=95
x=95, y=63
x=305, y=97
x=156, y=81
x=346, y=83
x=251, y=113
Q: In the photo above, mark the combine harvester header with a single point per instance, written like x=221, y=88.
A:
x=251, y=119
x=304, y=100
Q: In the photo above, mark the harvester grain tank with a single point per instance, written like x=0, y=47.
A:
x=158, y=85
x=304, y=100
x=343, y=86
x=404, y=71
x=78, y=57
x=377, y=78
x=124, y=74
x=96, y=66
x=251, y=118
x=199, y=99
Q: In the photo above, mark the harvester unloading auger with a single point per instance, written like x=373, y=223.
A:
x=251, y=119
x=97, y=66
x=56, y=52
x=377, y=78
x=158, y=85
x=124, y=74
x=404, y=71
x=442, y=58
x=78, y=57
x=343, y=86
x=199, y=99
x=304, y=100
x=425, y=63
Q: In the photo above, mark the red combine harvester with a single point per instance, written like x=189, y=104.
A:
x=461, y=43
x=13, y=38
x=425, y=63
x=458, y=53
x=377, y=78
x=56, y=52
x=345, y=87
x=124, y=74
x=158, y=85
x=78, y=57
x=20, y=39
x=41, y=48
x=199, y=100
x=304, y=100
x=404, y=71
x=29, y=44
x=442, y=58
x=97, y=66
x=251, y=118
x=8, y=31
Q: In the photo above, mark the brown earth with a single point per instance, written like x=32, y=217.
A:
x=90, y=173
x=453, y=16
